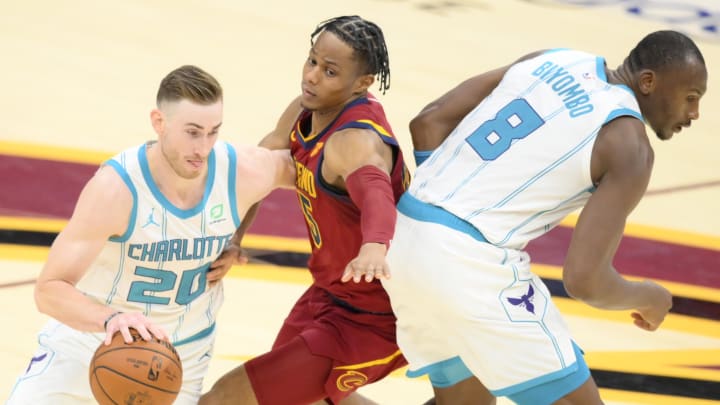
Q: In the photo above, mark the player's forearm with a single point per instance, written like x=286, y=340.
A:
x=64, y=302
x=608, y=290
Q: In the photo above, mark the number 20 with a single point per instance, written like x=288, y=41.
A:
x=514, y=121
x=164, y=280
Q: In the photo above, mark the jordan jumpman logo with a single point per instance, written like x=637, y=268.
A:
x=151, y=219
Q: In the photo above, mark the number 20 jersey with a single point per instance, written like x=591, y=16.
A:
x=159, y=265
x=519, y=162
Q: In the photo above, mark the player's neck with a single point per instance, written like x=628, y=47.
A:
x=322, y=118
x=621, y=75
x=182, y=192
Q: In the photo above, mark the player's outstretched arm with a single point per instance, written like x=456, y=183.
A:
x=622, y=163
x=360, y=162
x=102, y=210
x=278, y=138
x=260, y=171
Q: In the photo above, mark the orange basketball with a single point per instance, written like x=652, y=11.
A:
x=138, y=373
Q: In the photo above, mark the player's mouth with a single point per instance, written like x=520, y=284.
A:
x=680, y=127
x=196, y=163
x=307, y=93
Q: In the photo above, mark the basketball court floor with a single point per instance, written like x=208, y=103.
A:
x=79, y=80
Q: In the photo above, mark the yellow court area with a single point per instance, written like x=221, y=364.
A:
x=79, y=81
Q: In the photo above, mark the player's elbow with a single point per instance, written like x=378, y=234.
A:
x=428, y=130
x=40, y=295
x=418, y=123
x=577, y=286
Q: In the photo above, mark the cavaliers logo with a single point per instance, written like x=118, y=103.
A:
x=351, y=380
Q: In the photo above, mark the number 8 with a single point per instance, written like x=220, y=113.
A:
x=514, y=121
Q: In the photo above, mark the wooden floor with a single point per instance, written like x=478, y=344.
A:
x=79, y=80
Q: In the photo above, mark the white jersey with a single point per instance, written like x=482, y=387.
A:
x=159, y=265
x=520, y=161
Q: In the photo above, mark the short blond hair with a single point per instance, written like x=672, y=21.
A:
x=189, y=83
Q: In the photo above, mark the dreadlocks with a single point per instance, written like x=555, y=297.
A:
x=366, y=39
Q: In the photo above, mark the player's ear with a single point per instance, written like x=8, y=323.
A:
x=157, y=119
x=363, y=82
x=647, y=80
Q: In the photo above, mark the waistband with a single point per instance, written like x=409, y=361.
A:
x=422, y=211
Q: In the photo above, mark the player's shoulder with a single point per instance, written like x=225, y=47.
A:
x=110, y=177
x=624, y=141
x=111, y=191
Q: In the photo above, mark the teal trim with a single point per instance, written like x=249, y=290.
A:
x=133, y=213
x=422, y=211
x=202, y=334
x=549, y=388
x=444, y=374
x=600, y=68
x=180, y=213
x=421, y=156
x=232, y=181
x=620, y=112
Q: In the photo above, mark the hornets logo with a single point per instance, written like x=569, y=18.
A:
x=351, y=380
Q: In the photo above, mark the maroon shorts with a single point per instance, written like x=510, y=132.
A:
x=324, y=351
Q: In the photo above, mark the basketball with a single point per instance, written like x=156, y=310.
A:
x=138, y=373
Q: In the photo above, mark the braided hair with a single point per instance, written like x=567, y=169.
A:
x=367, y=41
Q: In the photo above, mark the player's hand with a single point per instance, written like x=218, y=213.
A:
x=230, y=256
x=125, y=320
x=652, y=315
x=369, y=264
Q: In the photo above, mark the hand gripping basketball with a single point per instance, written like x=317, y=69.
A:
x=139, y=372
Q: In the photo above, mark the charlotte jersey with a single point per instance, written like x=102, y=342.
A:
x=333, y=220
x=159, y=265
x=520, y=161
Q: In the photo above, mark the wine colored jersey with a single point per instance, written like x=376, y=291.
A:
x=332, y=219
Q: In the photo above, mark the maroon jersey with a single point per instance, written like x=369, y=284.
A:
x=332, y=219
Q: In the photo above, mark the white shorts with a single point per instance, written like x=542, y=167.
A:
x=58, y=372
x=455, y=296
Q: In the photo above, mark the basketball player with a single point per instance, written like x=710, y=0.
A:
x=517, y=149
x=350, y=173
x=137, y=251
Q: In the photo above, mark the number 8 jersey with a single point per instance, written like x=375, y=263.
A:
x=159, y=265
x=520, y=161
